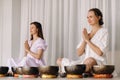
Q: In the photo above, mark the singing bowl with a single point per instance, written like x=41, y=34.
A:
x=103, y=69
x=3, y=69
x=17, y=70
x=30, y=70
x=49, y=70
x=75, y=69
x=26, y=70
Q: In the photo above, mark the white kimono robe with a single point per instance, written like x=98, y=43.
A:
x=100, y=39
x=29, y=60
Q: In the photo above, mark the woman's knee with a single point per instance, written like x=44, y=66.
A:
x=89, y=63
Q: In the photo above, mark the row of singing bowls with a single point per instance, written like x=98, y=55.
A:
x=96, y=69
x=3, y=69
x=103, y=69
x=49, y=70
x=52, y=70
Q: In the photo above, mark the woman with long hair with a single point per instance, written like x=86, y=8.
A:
x=34, y=48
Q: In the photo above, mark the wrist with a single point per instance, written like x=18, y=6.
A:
x=29, y=51
x=87, y=41
x=84, y=41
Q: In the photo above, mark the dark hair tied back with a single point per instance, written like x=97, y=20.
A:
x=98, y=13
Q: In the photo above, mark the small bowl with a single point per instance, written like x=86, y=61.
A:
x=103, y=69
x=75, y=69
x=49, y=70
x=3, y=69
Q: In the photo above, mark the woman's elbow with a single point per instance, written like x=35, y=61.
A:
x=38, y=57
x=79, y=53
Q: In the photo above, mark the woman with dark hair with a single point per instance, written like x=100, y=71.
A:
x=93, y=45
x=34, y=48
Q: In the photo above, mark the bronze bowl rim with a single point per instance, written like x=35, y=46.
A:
x=103, y=69
x=72, y=69
x=103, y=65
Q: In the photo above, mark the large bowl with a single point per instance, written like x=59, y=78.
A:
x=25, y=70
x=30, y=70
x=48, y=70
x=103, y=69
x=75, y=69
x=3, y=69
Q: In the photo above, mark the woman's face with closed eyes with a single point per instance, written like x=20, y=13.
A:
x=33, y=29
x=92, y=18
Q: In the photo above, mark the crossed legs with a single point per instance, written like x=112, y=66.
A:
x=89, y=63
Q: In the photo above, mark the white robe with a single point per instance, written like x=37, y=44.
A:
x=100, y=39
x=29, y=60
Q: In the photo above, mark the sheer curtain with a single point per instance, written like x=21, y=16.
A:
x=5, y=30
x=59, y=19
x=62, y=22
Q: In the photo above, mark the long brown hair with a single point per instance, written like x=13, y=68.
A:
x=39, y=27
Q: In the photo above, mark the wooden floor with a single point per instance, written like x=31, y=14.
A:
x=12, y=78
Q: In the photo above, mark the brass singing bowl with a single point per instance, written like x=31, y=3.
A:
x=3, y=69
x=26, y=70
x=75, y=69
x=49, y=70
x=30, y=70
x=103, y=69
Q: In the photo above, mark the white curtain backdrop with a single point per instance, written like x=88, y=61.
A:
x=62, y=22
x=9, y=29
x=5, y=34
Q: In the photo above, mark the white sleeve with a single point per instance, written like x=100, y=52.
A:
x=103, y=41
x=79, y=44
